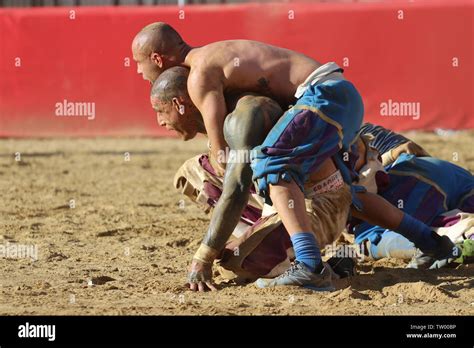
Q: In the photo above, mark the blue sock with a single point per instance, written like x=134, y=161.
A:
x=417, y=232
x=306, y=249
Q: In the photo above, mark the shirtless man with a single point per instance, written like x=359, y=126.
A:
x=244, y=128
x=317, y=131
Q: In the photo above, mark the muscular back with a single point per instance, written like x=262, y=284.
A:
x=251, y=66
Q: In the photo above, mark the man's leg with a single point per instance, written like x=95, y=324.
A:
x=379, y=212
x=392, y=245
x=318, y=227
x=289, y=202
x=325, y=119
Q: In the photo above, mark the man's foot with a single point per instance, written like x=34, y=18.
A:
x=445, y=253
x=343, y=267
x=300, y=275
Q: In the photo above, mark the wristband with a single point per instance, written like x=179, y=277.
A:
x=205, y=254
x=387, y=158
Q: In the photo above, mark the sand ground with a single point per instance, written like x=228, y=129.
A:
x=125, y=246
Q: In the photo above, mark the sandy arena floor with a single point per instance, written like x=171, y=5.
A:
x=130, y=237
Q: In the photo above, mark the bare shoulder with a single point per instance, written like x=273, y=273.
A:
x=203, y=78
x=223, y=53
x=238, y=44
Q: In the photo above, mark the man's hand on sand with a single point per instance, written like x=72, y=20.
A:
x=200, y=276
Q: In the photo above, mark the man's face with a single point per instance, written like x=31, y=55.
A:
x=146, y=65
x=168, y=115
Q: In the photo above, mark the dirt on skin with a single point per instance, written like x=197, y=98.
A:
x=114, y=237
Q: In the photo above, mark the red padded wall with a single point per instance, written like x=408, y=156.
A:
x=426, y=57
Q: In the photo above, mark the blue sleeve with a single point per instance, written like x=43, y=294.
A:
x=385, y=139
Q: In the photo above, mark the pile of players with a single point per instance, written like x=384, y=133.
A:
x=291, y=166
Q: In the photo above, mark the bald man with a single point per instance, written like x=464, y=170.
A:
x=313, y=141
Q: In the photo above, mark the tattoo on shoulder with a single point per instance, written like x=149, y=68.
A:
x=264, y=87
x=263, y=84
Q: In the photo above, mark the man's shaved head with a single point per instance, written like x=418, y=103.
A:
x=156, y=48
x=172, y=83
x=158, y=37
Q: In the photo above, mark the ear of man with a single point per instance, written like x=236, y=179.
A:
x=157, y=59
x=178, y=104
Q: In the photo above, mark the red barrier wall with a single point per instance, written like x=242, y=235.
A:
x=45, y=57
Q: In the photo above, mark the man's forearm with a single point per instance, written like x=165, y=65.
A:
x=229, y=208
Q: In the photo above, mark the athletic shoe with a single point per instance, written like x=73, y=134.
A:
x=300, y=275
x=343, y=267
x=446, y=253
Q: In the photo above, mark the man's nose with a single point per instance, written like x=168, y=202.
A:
x=139, y=70
x=160, y=120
